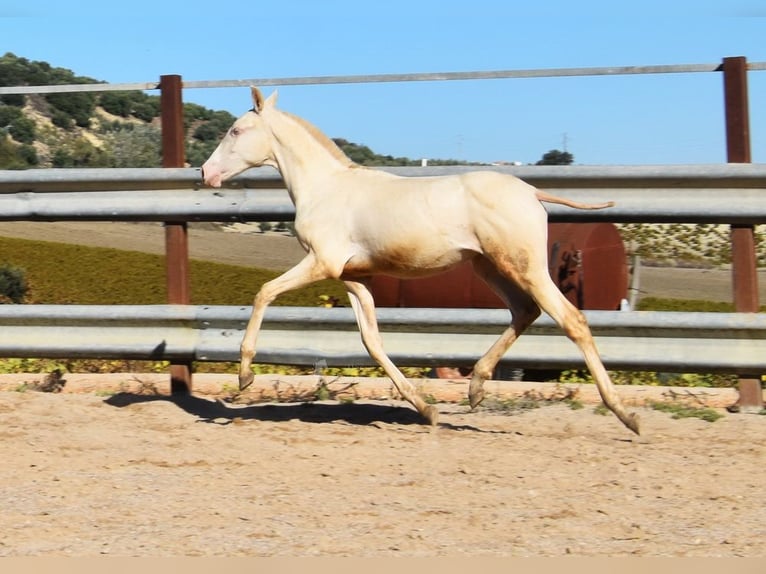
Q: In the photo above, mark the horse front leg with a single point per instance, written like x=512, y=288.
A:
x=364, y=310
x=304, y=273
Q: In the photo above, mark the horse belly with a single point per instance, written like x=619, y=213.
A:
x=417, y=258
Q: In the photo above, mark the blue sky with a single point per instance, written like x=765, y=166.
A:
x=645, y=119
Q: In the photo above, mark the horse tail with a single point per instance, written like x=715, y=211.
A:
x=548, y=198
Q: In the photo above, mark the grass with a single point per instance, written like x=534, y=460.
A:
x=60, y=273
x=654, y=379
x=682, y=411
x=532, y=400
x=687, y=305
x=676, y=410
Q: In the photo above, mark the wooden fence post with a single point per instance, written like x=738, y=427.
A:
x=176, y=234
x=744, y=264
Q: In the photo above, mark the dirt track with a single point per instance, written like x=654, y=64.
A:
x=142, y=475
x=137, y=474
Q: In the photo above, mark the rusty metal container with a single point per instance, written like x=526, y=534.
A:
x=587, y=262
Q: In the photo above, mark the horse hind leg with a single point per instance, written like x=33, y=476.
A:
x=524, y=311
x=572, y=321
x=364, y=309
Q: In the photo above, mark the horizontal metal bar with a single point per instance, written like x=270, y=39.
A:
x=384, y=78
x=72, y=88
x=344, y=348
x=728, y=175
x=451, y=76
x=725, y=206
x=170, y=205
x=417, y=320
x=728, y=193
x=105, y=179
x=682, y=342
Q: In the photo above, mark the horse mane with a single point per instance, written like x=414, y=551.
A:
x=323, y=140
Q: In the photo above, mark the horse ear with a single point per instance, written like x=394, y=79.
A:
x=257, y=99
x=271, y=101
x=259, y=103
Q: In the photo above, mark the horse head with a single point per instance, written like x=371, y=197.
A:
x=248, y=143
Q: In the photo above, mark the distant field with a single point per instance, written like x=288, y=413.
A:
x=61, y=273
x=113, y=263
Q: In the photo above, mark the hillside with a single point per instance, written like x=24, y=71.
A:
x=110, y=129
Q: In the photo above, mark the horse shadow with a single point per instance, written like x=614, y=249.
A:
x=222, y=413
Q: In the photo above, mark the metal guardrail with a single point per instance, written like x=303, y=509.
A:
x=725, y=193
x=672, y=342
x=682, y=342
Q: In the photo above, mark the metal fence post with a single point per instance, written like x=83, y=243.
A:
x=744, y=265
x=176, y=235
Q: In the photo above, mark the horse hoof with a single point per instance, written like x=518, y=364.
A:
x=632, y=422
x=474, y=399
x=431, y=414
x=245, y=381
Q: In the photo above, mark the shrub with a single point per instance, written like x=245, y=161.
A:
x=13, y=284
x=138, y=146
x=28, y=154
x=61, y=119
x=80, y=153
x=78, y=105
x=22, y=130
x=147, y=109
x=17, y=100
x=8, y=114
x=117, y=103
x=14, y=156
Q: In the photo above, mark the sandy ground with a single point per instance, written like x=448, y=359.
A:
x=279, y=252
x=135, y=473
x=114, y=467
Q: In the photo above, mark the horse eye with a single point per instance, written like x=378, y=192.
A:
x=235, y=131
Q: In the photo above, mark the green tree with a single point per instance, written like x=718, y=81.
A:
x=126, y=104
x=194, y=113
x=556, y=157
x=206, y=132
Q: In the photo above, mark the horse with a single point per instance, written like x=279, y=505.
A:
x=355, y=222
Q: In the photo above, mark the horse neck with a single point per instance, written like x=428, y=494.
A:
x=303, y=154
